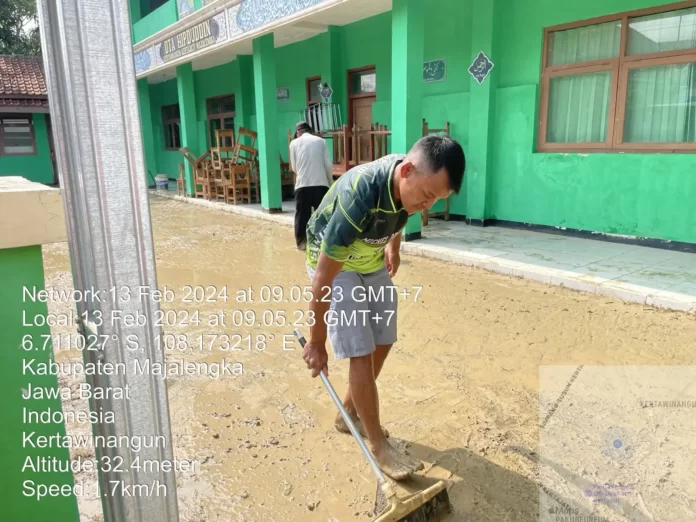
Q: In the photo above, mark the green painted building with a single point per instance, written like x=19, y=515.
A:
x=26, y=147
x=573, y=115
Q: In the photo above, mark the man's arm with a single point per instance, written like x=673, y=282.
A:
x=392, y=255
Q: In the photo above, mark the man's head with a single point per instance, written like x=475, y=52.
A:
x=301, y=128
x=432, y=170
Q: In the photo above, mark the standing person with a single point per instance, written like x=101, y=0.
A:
x=353, y=249
x=309, y=158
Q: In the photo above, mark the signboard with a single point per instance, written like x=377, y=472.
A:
x=326, y=92
x=200, y=36
x=283, y=93
x=481, y=67
x=434, y=71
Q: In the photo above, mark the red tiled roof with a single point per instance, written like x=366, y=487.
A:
x=22, y=75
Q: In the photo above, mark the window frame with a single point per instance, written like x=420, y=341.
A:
x=353, y=72
x=219, y=115
x=619, y=68
x=17, y=116
x=171, y=121
x=311, y=102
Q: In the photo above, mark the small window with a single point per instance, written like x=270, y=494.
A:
x=171, y=123
x=625, y=82
x=363, y=82
x=221, y=113
x=313, y=91
x=17, y=136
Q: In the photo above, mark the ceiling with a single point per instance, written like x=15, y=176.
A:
x=296, y=31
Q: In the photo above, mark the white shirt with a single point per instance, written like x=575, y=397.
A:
x=309, y=159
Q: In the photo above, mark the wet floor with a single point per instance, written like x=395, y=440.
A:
x=460, y=389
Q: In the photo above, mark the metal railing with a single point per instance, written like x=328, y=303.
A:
x=322, y=117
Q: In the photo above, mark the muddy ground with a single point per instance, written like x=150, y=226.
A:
x=460, y=389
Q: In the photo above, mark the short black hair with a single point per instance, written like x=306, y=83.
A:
x=443, y=152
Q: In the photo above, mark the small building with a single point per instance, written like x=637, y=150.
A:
x=576, y=115
x=26, y=146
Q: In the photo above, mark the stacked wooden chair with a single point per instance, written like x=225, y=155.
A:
x=427, y=131
x=200, y=166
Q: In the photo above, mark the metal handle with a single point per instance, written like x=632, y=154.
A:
x=368, y=455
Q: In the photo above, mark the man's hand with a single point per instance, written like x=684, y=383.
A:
x=392, y=260
x=314, y=354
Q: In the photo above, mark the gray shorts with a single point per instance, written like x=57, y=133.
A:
x=362, y=314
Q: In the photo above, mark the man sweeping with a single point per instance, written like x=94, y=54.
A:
x=309, y=158
x=353, y=242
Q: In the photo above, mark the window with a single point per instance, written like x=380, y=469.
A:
x=171, y=122
x=221, y=113
x=313, y=91
x=363, y=82
x=150, y=5
x=624, y=82
x=17, y=135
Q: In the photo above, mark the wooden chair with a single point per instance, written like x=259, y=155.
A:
x=240, y=186
x=200, y=167
x=379, y=136
x=225, y=138
x=427, y=131
x=181, y=181
x=247, y=133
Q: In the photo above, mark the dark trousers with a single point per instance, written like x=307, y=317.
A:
x=306, y=198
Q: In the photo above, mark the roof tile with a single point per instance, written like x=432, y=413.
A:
x=22, y=75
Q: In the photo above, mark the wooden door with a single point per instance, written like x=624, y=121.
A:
x=361, y=115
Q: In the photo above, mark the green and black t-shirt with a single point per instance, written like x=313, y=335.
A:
x=357, y=218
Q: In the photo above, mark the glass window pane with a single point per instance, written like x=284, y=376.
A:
x=315, y=90
x=214, y=125
x=363, y=82
x=228, y=104
x=579, y=108
x=661, y=104
x=592, y=42
x=669, y=31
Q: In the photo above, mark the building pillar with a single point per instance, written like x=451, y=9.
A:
x=147, y=130
x=479, y=156
x=244, y=93
x=407, y=81
x=187, y=112
x=267, y=123
x=331, y=69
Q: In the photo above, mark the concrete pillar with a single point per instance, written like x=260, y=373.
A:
x=148, y=131
x=31, y=214
x=244, y=93
x=479, y=155
x=267, y=123
x=407, y=81
x=187, y=111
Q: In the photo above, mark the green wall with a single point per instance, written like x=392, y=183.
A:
x=167, y=161
x=20, y=268
x=648, y=195
x=34, y=168
x=294, y=64
x=162, y=17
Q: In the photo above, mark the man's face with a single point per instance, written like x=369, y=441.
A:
x=420, y=190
